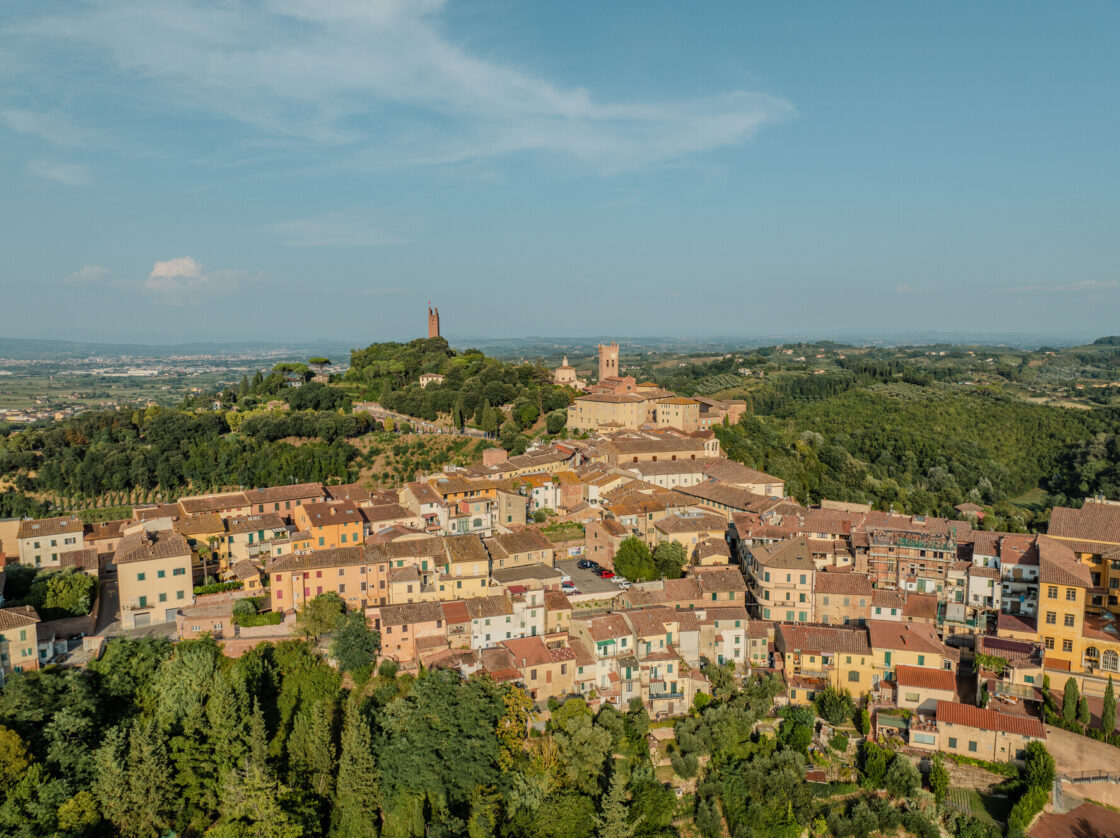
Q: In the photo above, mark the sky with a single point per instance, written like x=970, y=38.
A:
x=176, y=170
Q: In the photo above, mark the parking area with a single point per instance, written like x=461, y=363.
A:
x=585, y=580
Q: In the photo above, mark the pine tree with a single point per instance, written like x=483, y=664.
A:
x=226, y=711
x=613, y=822
x=311, y=749
x=358, y=798
x=1108, y=714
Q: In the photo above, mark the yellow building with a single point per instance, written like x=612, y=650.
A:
x=910, y=644
x=608, y=410
x=154, y=576
x=19, y=640
x=1093, y=534
x=1063, y=587
x=817, y=657
x=678, y=412
x=780, y=579
x=41, y=541
x=330, y=525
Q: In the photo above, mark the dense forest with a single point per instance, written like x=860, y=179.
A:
x=155, y=739
x=124, y=451
x=473, y=385
x=924, y=448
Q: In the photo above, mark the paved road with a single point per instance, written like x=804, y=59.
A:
x=109, y=606
x=586, y=581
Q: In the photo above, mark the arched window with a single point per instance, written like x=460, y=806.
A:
x=1110, y=661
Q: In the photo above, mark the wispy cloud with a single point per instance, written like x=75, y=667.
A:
x=90, y=275
x=68, y=174
x=1083, y=286
x=55, y=128
x=183, y=281
x=384, y=79
x=337, y=229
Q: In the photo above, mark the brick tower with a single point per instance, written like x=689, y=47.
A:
x=608, y=361
x=433, y=321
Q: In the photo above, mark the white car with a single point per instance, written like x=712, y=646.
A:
x=620, y=580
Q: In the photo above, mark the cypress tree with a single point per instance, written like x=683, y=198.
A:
x=1108, y=715
x=1070, y=701
x=358, y=795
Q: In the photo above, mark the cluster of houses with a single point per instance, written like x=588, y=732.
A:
x=455, y=570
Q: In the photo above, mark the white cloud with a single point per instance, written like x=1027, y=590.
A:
x=182, y=281
x=89, y=275
x=1082, y=286
x=338, y=229
x=68, y=174
x=384, y=78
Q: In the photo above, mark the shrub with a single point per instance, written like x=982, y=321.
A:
x=839, y=742
x=268, y=618
x=218, y=587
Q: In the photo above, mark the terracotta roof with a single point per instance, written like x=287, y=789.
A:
x=102, y=530
x=204, y=523
x=348, y=491
x=146, y=546
x=925, y=678
x=384, y=512
x=214, y=503
x=913, y=637
x=508, y=544
x=319, y=559
x=40, y=527
x=557, y=601
x=528, y=651
x=613, y=527
x=921, y=606
x=466, y=548
x=983, y=572
x=608, y=627
x=275, y=494
x=690, y=523
x=19, y=616
x=883, y=598
x=843, y=583
x=811, y=638
x=954, y=713
x=729, y=471
x=410, y=548
x=489, y=606
x=1057, y=565
x=1096, y=520
x=721, y=580
x=85, y=559
x=411, y=613
x=792, y=554
x=456, y=612
x=253, y=523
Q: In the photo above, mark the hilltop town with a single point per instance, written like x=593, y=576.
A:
x=627, y=563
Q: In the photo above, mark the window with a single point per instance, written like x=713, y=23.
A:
x=921, y=660
x=1068, y=620
x=1051, y=618
x=887, y=658
x=139, y=577
x=972, y=746
x=181, y=571
x=1067, y=645
x=826, y=602
x=161, y=574
x=1049, y=642
x=952, y=742
x=1052, y=592
x=163, y=597
x=853, y=676
x=180, y=595
x=1071, y=594
x=342, y=589
x=322, y=541
x=143, y=602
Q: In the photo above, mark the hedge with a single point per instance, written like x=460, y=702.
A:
x=218, y=587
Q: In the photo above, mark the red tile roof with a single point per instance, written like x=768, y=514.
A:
x=953, y=713
x=925, y=678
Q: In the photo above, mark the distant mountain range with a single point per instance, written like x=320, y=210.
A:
x=61, y=350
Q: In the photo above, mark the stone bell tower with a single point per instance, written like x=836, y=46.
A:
x=433, y=321
x=608, y=361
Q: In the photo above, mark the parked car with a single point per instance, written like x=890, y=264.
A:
x=618, y=580
x=624, y=586
x=606, y=574
x=587, y=564
x=569, y=588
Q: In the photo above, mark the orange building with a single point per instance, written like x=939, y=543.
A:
x=351, y=572
x=330, y=525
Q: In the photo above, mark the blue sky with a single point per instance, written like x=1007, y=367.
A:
x=173, y=170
